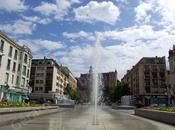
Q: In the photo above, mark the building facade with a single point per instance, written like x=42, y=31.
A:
x=72, y=81
x=47, y=77
x=108, y=79
x=171, y=74
x=147, y=80
x=15, y=66
x=48, y=80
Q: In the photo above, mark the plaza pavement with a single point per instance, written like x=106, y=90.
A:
x=81, y=118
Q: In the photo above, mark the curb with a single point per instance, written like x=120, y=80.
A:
x=25, y=109
x=161, y=116
x=28, y=115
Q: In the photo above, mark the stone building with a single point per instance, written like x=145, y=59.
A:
x=15, y=66
x=147, y=80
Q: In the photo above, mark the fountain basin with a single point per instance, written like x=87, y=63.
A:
x=123, y=107
x=98, y=126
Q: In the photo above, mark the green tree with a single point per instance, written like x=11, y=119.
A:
x=116, y=92
x=73, y=94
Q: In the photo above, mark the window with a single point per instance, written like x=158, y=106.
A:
x=40, y=88
x=154, y=75
x=23, y=82
x=20, y=56
x=37, y=81
x=147, y=68
x=7, y=78
x=29, y=62
x=14, y=67
x=19, y=67
x=1, y=45
x=12, y=78
x=8, y=64
x=162, y=68
x=10, y=51
x=40, y=74
x=36, y=88
x=17, y=80
x=25, y=58
x=0, y=59
x=41, y=81
x=24, y=70
x=28, y=73
x=148, y=90
x=27, y=82
x=16, y=54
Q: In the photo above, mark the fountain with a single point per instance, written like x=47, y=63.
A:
x=96, y=80
x=95, y=76
x=127, y=102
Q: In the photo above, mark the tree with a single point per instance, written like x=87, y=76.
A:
x=73, y=94
x=115, y=93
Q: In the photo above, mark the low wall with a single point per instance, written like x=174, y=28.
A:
x=123, y=107
x=166, y=117
x=10, y=116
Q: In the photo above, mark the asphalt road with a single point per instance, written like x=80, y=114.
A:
x=81, y=118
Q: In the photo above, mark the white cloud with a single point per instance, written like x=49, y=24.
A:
x=13, y=5
x=134, y=33
x=37, y=19
x=149, y=10
x=63, y=7
x=18, y=27
x=77, y=59
x=142, y=12
x=79, y=35
x=46, y=8
x=59, y=9
x=43, y=47
x=40, y=44
x=166, y=10
x=136, y=42
x=103, y=11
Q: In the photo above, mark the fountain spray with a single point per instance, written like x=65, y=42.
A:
x=95, y=76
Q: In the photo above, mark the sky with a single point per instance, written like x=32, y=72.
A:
x=66, y=30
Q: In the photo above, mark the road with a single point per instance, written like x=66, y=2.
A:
x=81, y=118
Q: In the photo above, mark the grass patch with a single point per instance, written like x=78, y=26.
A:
x=18, y=104
x=168, y=109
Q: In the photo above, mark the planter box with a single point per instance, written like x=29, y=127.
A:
x=162, y=116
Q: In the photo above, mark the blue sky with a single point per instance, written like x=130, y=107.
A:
x=65, y=30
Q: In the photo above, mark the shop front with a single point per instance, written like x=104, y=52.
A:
x=12, y=94
x=153, y=99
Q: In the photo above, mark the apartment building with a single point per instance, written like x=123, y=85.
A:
x=71, y=78
x=15, y=64
x=147, y=80
x=47, y=77
x=171, y=74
